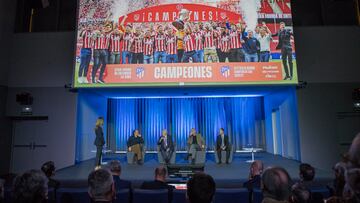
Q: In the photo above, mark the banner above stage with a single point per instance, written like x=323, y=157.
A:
x=170, y=12
x=194, y=74
x=176, y=42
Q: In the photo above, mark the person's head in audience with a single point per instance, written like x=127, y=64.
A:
x=354, y=153
x=339, y=182
x=256, y=168
x=335, y=199
x=352, y=186
x=306, y=172
x=299, y=194
x=276, y=184
x=160, y=174
x=200, y=188
x=30, y=187
x=115, y=167
x=101, y=185
x=48, y=168
x=2, y=183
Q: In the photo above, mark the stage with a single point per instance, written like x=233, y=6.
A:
x=226, y=176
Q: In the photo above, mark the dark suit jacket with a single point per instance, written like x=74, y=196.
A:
x=99, y=139
x=156, y=185
x=218, y=141
x=121, y=184
x=255, y=182
x=284, y=38
x=170, y=143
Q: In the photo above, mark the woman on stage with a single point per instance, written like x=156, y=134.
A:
x=99, y=140
x=135, y=144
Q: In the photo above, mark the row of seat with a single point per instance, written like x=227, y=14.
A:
x=233, y=195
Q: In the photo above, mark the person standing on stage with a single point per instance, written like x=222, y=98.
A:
x=101, y=54
x=171, y=47
x=138, y=56
x=99, y=140
x=136, y=144
x=224, y=45
x=189, y=46
x=166, y=145
x=127, y=47
x=160, y=45
x=195, y=143
x=209, y=44
x=148, y=47
x=115, y=39
x=222, y=144
x=264, y=39
x=251, y=47
x=199, y=43
x=85, y=54
x=285, y=36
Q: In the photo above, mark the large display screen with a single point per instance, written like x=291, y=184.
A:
x=184, y=42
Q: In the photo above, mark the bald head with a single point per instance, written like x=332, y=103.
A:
x=276, y=182
x=256, y=168
x=354, y=152
x=160, y=173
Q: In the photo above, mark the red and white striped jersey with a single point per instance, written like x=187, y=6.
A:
x=149, y=46
x=224, y=43
x=235, y=42
x=199, y=42
x=209, y=40
x=189, y=42
x=171, y=44
x=128, y=40
x=115, y=40
x=101, y=41
x=160, y=42
x=87, y=39
x=138, y=44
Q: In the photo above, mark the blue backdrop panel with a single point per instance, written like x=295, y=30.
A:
x=241, y=117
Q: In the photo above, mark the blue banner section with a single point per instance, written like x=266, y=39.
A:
x=241, y=117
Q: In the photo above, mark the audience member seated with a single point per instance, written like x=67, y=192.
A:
x=335, y=200
x=49, y=170
x=2, y=183
x=307, y=175
x=200, y=188
x=352, y=187
x=299, y=194
x=276, y=185
x=256, y=170
x=159, y=182
x=354, y=153
x=101, y=186
x=115, y=169
x=30, y=187
x=337, y=186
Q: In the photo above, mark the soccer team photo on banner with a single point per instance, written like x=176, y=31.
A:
x=175, y=43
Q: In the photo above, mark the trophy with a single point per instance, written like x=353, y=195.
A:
x=183, y=17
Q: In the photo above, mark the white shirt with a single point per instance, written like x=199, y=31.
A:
x=264, y=42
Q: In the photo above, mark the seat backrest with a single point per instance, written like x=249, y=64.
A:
x=321, y=192
x=150, y=196
x=179, y=196
x=231, y=195
x=72, y=195
x=122, y=196
x=257, y=196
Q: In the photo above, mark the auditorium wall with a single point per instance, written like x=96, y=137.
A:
x=42, y=63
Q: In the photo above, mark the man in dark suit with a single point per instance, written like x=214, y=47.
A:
x=222, y=144
x=166, y=145
x=285, y=36
x=115, y=169
x=159, y=182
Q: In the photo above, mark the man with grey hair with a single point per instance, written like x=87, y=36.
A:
x=276, y=185
x=115, y=169
x=31, y=186
x=101, y=186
